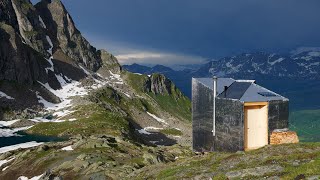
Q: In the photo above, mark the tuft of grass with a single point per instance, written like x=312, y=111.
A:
x=171, y=131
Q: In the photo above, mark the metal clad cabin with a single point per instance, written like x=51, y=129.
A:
x=245, y=114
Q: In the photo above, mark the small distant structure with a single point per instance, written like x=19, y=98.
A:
x=235, y=115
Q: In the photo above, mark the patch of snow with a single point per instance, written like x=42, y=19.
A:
x=63, y=113
x=5, y=168
x=100, y=75
x=85, y=71
x=116, y=77
x=306, y=58
x=61, y=80
x=51, y=45
x=45, y=103
x=233, y=68
x=314, y=64
x=271, y=55
x=138, y=74
x=72, y=119
x=33, y=178
x=2, y=94
x=304, y=49
x=314, y=54
x=68, y=148
x=51, y=63
x=143, y=131
x=50, y=52
x=127, y=95
x=157, y=118
x=149, y=75
x=8, y=123
x=12, y=132
x=42, y=23
x=2, y=162
x=276, y=61
x=69, y=90
x=17, y=146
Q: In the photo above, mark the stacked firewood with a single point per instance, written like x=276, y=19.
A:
x=283, y=137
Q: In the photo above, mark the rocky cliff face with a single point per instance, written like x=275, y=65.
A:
x=159, y=84
x=66, y=36
x=18, y=61
x=31, y=28
x=42, y=50
x=34, y=39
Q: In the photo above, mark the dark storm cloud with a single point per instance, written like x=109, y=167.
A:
x=206, y=28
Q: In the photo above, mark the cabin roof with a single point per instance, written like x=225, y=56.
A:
x=243, y=90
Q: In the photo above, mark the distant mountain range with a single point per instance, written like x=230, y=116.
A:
x=288, y=74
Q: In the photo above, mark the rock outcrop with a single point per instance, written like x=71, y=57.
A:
x=18, y=61
x=31, y=27
x=41, y=45
x=66, y=36
x=159, y=84
x=33, y=37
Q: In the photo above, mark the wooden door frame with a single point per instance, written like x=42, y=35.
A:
x=254, y=104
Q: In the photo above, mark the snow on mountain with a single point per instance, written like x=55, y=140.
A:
x=303, y=63
x=2, y=94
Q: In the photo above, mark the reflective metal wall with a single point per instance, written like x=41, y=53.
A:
x=202, y=106
x=229, y=125
x=229, y=120
x=278, y=115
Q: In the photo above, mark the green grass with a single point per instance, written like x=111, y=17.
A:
x=179, y=107
x=283, y=155
x=171, y=131
x=175, y=103
x=307, y=124
x=136, y=81
x=308, y=169
x=97, y=121
x=31, y=33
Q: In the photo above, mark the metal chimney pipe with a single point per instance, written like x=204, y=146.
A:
x=225, y=91
x=215, y=80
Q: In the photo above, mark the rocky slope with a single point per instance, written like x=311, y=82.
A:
x=54, y=86
x=40, y=44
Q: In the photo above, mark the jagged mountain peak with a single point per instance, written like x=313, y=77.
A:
x=41, y=47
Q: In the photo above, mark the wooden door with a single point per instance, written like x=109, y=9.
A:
x=256, y=126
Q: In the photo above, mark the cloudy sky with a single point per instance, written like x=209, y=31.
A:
x=192, y=31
